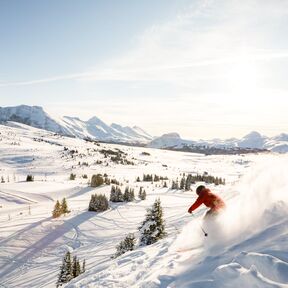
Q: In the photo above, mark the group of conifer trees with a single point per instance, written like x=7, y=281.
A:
x=151, y=230
x=186, y=181
x=116, y=194
x=69, y=269
x=60, y=208
x=151, y=178
x=98, y=203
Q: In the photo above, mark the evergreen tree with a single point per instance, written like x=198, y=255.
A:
x=72, y=176
x=30, y=178
x=83, y=266
x=65, y=274
x=98, y=203
x=64, y=206
x=152, y=228
x=175, y=185
x=182, y=183
x=188, y=182
x=116, y=194
x=57, y=210
x=148, y=177
x=97, y=180
x=142, y=193
x=76, y=269
x=129, y=194
x=128, y=244
x=156, y=178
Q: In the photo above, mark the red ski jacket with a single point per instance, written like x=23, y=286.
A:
x=209, y=199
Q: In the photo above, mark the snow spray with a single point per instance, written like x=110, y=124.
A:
x=261, y=197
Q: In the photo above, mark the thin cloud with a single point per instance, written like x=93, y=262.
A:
x=148, y=73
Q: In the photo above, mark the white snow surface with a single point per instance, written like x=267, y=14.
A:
x=246, y=245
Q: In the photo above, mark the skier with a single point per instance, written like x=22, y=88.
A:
x=211, y=200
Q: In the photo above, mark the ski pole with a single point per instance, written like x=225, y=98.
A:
x=205, y=233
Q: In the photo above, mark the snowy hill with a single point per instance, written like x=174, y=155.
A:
x=253, y=140
x=94, y=128
x=246, y=246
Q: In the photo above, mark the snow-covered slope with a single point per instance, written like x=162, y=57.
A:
x=246, y=246
x=94, y=128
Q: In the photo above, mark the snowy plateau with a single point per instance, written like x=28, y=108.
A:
x=246, y=245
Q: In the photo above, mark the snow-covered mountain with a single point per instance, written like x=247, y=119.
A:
x=253, y=140
x=169, y=140
x=33, y=116
x=94, y=128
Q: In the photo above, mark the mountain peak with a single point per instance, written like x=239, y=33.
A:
x=95, y=121
x=253, y=134
x=171, y=135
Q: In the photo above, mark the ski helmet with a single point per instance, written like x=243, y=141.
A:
x=199, y=189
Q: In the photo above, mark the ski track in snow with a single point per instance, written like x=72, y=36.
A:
x=33, y=244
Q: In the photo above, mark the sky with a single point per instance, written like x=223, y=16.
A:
x=202, y=68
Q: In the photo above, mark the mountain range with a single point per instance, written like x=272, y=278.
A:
x=96, y=129
x=253, y=140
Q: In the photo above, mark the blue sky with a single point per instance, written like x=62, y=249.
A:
x=202, y=68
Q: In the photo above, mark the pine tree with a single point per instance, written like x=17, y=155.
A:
x=188, y=182
x=76, y=268
x=30, y=178
x=97, y=180
x=113, y=194
x=156, y=178
x=175, y=185
x=65, y=274
x=128, y=244
x=129, y=194
x=64, y=206
x=57, y=210
x=152, y=228
x=132, y=194
x=98, y=203
x=72, y=176
x=142, y=193
x=116, y=194
x=182, y=183
x=83, y=266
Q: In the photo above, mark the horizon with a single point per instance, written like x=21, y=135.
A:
x=57, y=116
x=204, y=69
